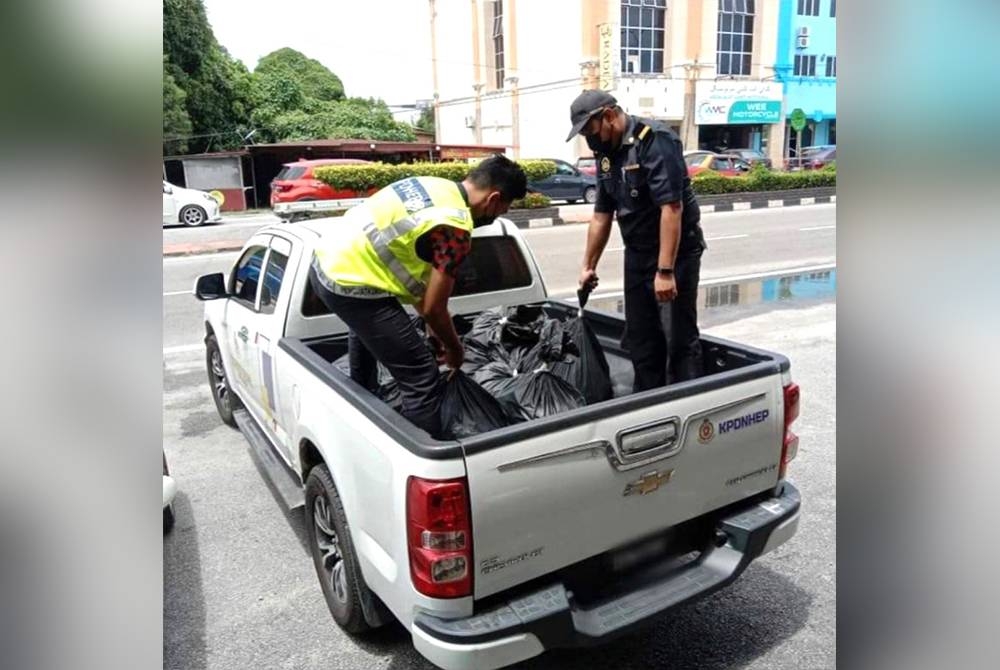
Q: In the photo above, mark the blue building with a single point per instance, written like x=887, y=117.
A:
x=806, y=65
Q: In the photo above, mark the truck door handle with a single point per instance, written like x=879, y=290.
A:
x=244, y=334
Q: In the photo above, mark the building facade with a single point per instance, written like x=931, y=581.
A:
x=807, y=68
x=506, y=71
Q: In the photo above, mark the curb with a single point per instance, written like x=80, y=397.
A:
x=755, y=203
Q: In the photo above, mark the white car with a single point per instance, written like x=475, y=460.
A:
x=169, y=491
x=188, y=206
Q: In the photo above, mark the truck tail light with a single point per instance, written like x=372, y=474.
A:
x=790, y=442
x=439, y=535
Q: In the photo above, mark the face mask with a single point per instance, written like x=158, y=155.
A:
x=598, y=146
x=483, y=220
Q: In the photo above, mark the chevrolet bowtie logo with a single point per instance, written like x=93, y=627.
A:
x=648, y=483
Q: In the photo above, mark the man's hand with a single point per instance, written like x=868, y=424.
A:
x=454, y=358
x=665, y=288
x=588, y=279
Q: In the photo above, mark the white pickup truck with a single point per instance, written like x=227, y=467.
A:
x=562, y=531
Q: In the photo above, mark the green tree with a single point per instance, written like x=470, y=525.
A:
x=176, y=122
x=313, y=79
x=218, y=88
x=426, y=120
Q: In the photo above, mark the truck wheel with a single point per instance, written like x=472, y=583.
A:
x=225, y=401
x=590, y=195
x=333, y=552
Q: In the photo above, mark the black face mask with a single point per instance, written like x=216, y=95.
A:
x=483, y=220
x=597, y=146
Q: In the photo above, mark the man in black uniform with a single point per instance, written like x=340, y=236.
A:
x=642, y=176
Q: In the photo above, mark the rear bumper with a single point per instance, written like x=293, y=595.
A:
x=548, y=618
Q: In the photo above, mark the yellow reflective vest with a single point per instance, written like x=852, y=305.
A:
x=372, y=250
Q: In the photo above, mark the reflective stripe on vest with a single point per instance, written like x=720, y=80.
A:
x=374, y=250
x=380, y=243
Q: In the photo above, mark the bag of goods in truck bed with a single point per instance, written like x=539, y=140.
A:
x=468, y=409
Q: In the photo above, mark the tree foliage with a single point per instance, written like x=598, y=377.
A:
x=176, y=122
x=218, y=88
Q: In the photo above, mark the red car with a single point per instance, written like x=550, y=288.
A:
x=296, y=182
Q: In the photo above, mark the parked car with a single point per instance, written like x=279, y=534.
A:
x=728, y=165
x=752, y=156
x=587, y=166
x=169, y=491
x=296, y=182
x=188, y=206
x=567, y=184
x=491, y=548
x=813, y=158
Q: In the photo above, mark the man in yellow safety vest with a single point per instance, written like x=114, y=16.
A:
x=404, y=245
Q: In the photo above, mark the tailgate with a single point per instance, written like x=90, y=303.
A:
x=586, y=486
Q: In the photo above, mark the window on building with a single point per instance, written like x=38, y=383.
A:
x=805, y=66
x=735, y=43
x=808, y=8
x=831, y=66
x=643, y=30
x=833, y=7
x=498, y=65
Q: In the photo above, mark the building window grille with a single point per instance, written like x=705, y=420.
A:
x=498, y=64
x=734, y=47
x=805, y=66
x=643, y=34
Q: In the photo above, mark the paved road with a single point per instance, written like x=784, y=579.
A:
x=744, y=242
x=240, y=591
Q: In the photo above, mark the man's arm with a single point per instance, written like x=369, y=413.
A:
x=434, y=308
x=598, y=233
x=670, y=237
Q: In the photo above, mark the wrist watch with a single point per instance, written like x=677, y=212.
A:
x=666, y=272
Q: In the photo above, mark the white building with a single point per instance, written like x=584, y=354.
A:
x=506, y=71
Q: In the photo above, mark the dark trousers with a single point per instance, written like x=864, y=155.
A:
x=381, y=330
x=662, y=338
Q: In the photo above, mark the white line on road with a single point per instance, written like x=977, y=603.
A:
x=166, y=293
x=182, y=349
x=725, y=237
x=172, y=260
x=818, y=228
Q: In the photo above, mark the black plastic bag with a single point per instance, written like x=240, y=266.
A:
x=541, y=393
x=468, y=409
x=498, y=378
x=588, y=371
x=512, y=326
x=479, y=353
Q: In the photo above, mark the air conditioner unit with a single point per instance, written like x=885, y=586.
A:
x=801, y=42
x=803, y=31
x=470, y=122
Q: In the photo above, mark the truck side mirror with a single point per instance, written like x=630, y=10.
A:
x=210, y=287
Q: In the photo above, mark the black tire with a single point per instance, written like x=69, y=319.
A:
x=193, y=215
x=590, y=195
x=168, y=518
x=333, y=552
x=226, y=401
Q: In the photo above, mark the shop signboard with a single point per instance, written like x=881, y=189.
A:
x=737, y=102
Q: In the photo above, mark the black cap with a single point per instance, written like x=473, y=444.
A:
x=585, y=106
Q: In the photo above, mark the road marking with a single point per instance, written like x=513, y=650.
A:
x=166, y=293
x=725, y=237
x=183, y=349
x=172, y=260
x=818, y=228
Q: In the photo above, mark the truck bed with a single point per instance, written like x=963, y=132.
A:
x=726, y=363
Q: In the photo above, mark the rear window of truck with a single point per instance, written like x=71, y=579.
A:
x=495, y=264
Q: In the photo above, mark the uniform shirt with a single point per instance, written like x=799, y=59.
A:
x=636, y=192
